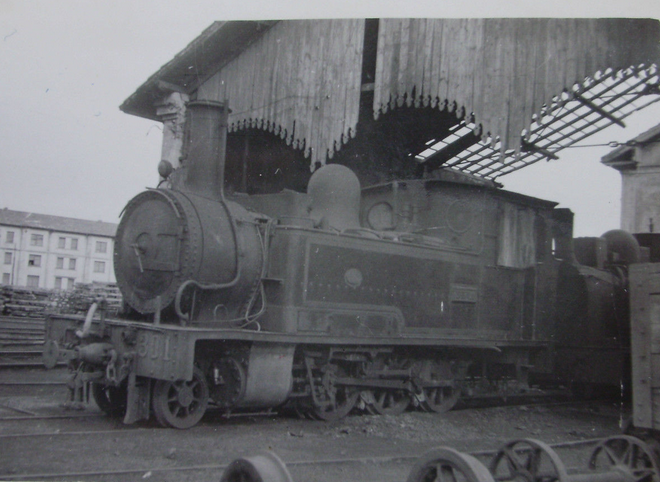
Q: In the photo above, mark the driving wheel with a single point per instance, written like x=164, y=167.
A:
x=181, y=404
x=333, y=401
x=441, y=394
x=388, y=402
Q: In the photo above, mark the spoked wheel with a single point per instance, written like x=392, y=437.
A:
x=448, y=465
x=527, y=460
x=181, y=404
x=261, y=468
x=388, y=402
x=626, y=454
x=111, y=400
x=334, y=402
x=437, y=397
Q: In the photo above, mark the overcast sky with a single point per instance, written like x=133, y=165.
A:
x=66, y=66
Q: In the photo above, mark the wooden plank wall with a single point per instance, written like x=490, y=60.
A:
x=502, y=70
x=300, y=80
x=644, y=289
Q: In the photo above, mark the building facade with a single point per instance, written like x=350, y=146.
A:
x=639, y=164
x=54, y=252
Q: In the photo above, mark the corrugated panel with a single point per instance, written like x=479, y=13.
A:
x=300, y=80
x=501, y=70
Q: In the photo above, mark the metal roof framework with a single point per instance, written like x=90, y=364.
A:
x=599, y=102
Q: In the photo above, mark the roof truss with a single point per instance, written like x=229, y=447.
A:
x=607, y=98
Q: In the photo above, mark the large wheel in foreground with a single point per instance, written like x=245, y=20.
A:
x=444, y=464
x=111, y=400
x=630, y=456
x=181, y=404
x=260, y=468
x=527, y=460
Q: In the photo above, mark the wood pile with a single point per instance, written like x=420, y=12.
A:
x=37, y=302
x=19, y=301
x=83, y=295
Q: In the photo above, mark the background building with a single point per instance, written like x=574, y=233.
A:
x=638, y=161
x=43, y=251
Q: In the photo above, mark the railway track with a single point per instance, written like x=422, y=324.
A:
x=212, y=416
x=218, y=438
x=321, y=463
x=21, y=339
x=20, y=332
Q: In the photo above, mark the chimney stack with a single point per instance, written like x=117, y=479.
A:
x=204, y=147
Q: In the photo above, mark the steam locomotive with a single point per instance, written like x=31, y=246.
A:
x=413, y=291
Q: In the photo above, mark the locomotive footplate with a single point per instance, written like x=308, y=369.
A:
x=166, y=352
x=152, y=363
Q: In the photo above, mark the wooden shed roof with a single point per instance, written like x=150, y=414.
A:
x=526, y=87
x=205, y=55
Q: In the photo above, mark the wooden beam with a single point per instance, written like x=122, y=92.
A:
x=437, y=159
x=529, y=147
x=595, y=108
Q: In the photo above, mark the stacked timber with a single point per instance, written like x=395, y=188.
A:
x=3, y=299
x=38, y=302
x=26, y=302
x=78, y=300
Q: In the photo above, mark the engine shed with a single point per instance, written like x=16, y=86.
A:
x=402, y=98
x=330, y=226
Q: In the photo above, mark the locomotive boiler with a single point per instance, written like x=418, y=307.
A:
x=412, y=292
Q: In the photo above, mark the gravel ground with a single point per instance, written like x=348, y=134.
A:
x=351, y=449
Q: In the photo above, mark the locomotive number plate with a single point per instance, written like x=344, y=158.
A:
x=154, y=346
x=160, y=355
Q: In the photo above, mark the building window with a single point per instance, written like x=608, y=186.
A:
x=58, y=283
x=70, y=282
x=60, y=263
x=10, y=237
x=61, y=243
x=32, y=281
x=34, y=260
x=5, y=278
x=99, y=267
x=8, y=257
x=101, y=247
x=72, y=263
x=37, y=240
x=74, y=243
